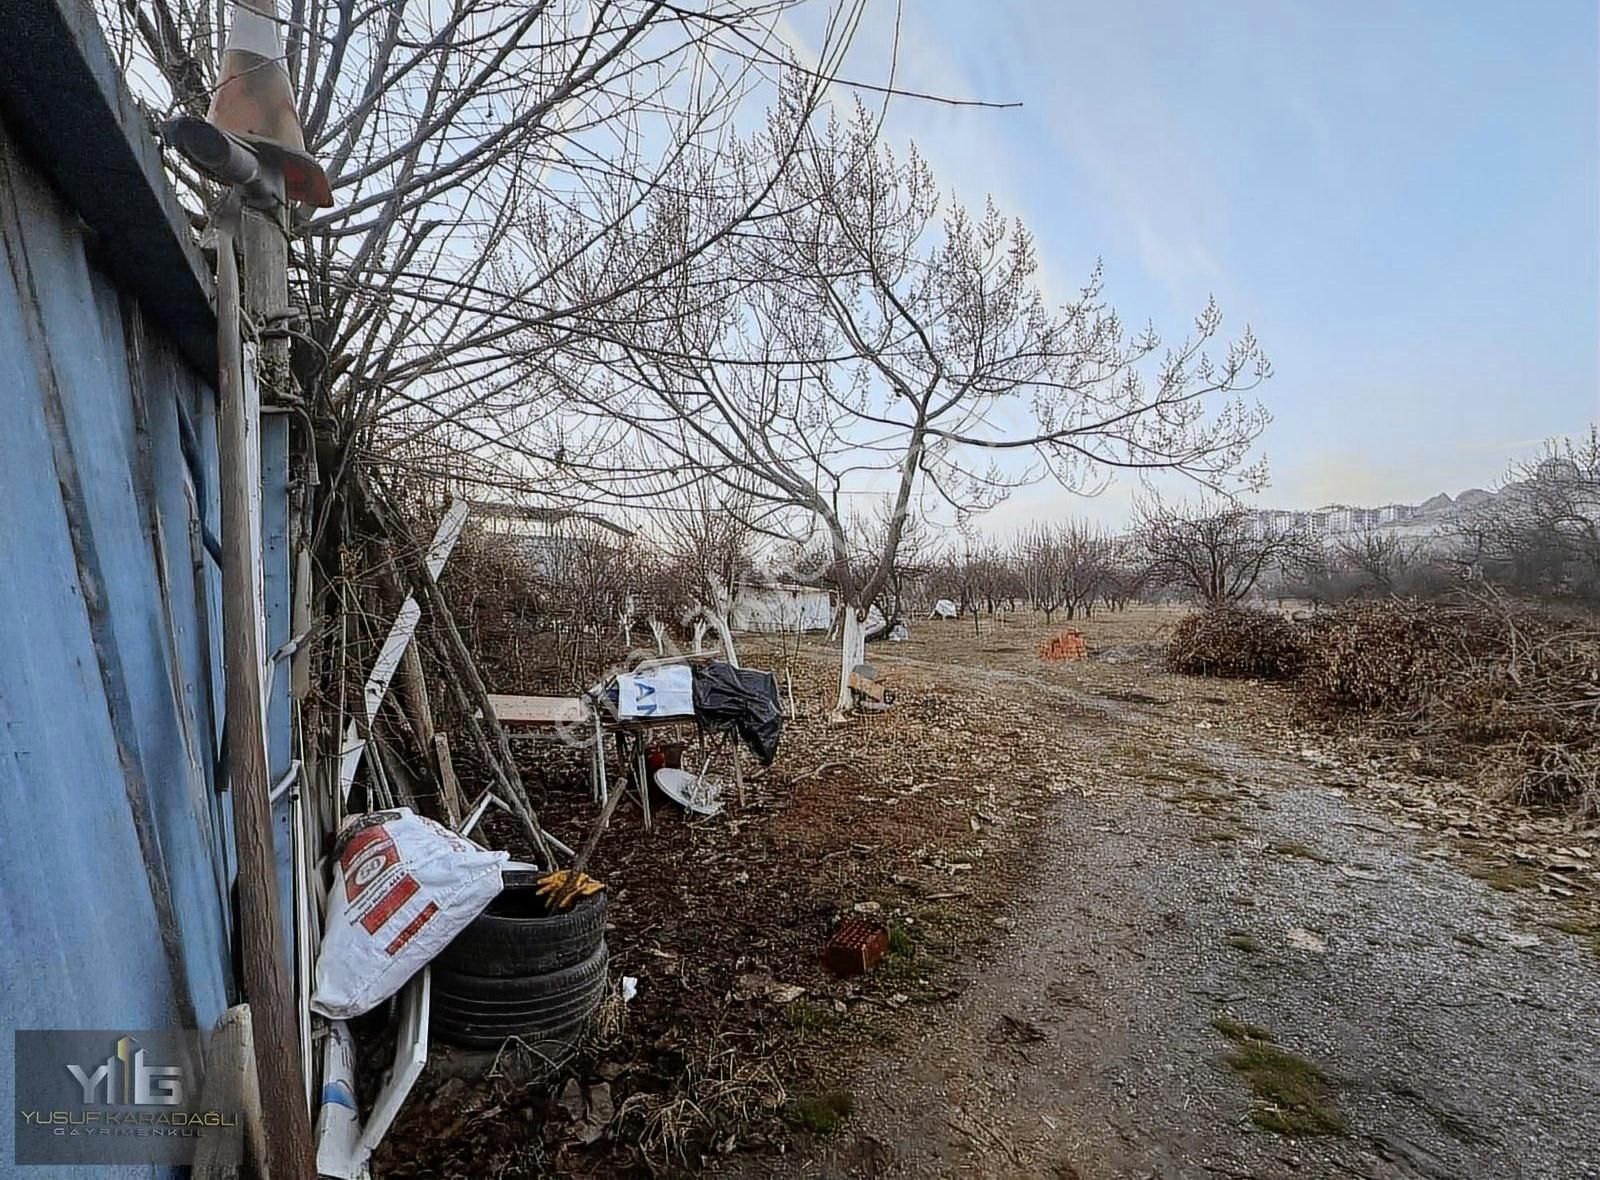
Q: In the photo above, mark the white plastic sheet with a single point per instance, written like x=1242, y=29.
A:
x=667, y=691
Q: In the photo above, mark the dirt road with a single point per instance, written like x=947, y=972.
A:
x=1219, y=942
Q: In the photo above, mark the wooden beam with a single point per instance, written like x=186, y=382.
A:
x=521, y=710
x=231, y=1084
x=449, y=786
x=394, y=648
x=264, y=958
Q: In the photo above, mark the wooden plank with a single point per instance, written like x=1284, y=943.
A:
x=232, y=1084
x=394, y=646
x=449, y=787
x=520, y=710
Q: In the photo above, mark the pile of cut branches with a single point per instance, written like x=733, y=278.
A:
x=1511, y=693
x=1520, y=686
x=1237, y=641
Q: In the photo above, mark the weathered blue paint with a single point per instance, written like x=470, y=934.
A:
x=116, y=856
x=275, y=587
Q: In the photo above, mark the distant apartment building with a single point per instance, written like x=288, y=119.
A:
x=1331, y=519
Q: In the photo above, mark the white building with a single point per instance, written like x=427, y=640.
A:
x=781, y=606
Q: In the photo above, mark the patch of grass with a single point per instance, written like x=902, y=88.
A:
x=1303, y=851
x=1216, y=836
x=1239, y=940
x=1240, y=1030
x=1294, y=1097
x=808, y=1016
x=1503, y=878
x=1465, y=938
x=1576, y=927
x=900, y=940
x=822, y=1113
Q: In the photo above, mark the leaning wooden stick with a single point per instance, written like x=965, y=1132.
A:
x=589, y=845
x=467, y=669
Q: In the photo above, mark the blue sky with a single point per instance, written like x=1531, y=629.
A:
x=1401, y=199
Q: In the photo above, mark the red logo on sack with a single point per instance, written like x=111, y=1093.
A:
x=365, y=858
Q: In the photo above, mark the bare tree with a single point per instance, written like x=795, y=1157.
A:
x=1041, y=559
x=861, y=339
x=1380, y=559
x=1064, y=566
x=913, y=556
x=707, y=540
x=1127, y=573
x=1541, y=532
x=478, y=150
x=1214, y=552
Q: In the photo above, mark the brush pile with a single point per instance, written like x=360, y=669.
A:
x=1237, y=641
x=1518, y=687
x=1508, y=692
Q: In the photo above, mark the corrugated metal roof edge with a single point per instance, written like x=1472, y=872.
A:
x=65, y=100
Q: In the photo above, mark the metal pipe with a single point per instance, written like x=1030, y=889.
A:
x=221, y=156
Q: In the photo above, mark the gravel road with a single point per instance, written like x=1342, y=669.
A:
x=1456, y=1034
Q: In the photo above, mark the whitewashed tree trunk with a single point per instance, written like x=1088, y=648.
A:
x=699, y=636
x=852, y=651
x=719, y=613
x=725, y=636
x=658, y=630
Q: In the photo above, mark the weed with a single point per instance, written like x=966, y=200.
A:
x=900, y=940
x=1241, y=941
x=1239, y=1030
x=822, y=1113
x=1294, y=1096
x=1303, y=851
x=808, y=1016
x=730, y=1084
x=1468, y=939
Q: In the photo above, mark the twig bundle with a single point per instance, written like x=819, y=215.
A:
x=1515, y=689
x=1237, y=641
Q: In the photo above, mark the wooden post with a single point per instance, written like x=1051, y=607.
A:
x=414, y=691
x=449, y=786
x=231, y=1073
x=265, y=962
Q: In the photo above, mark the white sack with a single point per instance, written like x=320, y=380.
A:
x=403, y=887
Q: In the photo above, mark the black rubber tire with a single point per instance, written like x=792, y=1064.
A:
x=473, y=1011
x=512, y=939
x=554, y=1043
x=521, y=990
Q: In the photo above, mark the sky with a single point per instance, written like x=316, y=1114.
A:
x=1402, y=199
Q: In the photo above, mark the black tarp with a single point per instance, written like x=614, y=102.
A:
x=742, y=701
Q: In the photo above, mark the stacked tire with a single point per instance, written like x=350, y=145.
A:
x=521, y=970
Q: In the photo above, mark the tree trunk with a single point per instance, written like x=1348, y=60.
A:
x=852, y=651
x=719, y=623
x=720, y=611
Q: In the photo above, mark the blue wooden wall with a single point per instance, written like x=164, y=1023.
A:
x=115, y=841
